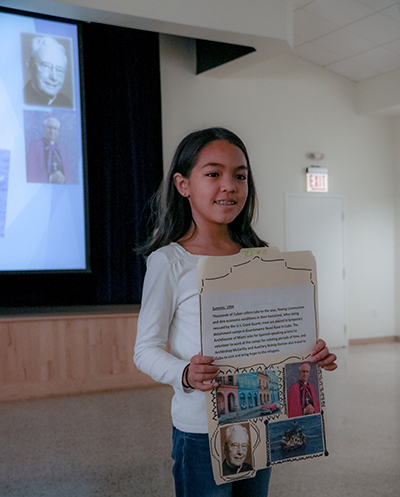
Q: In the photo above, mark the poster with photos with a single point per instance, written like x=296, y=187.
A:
x=259, y=320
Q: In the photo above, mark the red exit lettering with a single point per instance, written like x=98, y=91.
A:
x=317, y=182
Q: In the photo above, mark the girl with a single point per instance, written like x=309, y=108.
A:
x=205, y=208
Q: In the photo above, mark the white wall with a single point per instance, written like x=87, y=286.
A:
x=283, y=108
x=397, y=222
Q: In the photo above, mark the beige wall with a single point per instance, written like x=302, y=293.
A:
x=284, y=108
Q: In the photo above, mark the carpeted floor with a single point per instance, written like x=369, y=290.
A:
x=119, y=443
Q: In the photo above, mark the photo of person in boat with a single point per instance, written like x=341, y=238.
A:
x=302, y=389
x=294, y=438
x=236, y=446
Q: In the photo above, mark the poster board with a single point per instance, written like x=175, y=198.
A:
x=259, y=320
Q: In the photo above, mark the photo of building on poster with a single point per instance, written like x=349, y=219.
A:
x=247, y=395
x=259, y=319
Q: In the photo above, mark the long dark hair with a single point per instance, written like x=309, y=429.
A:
x=171, y=213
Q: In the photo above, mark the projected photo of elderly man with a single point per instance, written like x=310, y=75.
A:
x=47, y=65
x=236, y=450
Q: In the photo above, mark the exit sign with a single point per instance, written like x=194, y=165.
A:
x=317, y=179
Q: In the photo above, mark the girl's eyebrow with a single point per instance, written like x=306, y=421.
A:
x=217, y=164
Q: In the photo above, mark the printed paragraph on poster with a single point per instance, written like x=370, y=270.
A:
x=244, y=328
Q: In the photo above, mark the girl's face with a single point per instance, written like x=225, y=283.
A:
x=217, y=186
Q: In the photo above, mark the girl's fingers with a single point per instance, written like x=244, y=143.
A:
x=208, y=369
x=197, y=381
x=319, y=352
x=205, y=387
x=202, y=370
x=328, y=363
x=332, y=367
x=204, y=376
x=318, y=347
x=321, y=355
x=201, y=359
x=200, y=376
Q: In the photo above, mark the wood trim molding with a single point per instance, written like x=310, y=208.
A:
x=59, y=355
x=368, y=341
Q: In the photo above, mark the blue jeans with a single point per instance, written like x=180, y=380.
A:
x=194, y=476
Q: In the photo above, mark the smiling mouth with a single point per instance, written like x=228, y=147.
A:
x=225, y=202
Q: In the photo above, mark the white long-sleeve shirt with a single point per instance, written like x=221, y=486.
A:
x=170, y=313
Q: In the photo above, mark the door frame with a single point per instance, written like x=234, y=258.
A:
x=321, y=196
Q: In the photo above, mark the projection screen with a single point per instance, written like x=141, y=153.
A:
x=42, y=178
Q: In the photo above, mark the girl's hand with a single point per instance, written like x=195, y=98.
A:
x=321, y=355
x=200, y=370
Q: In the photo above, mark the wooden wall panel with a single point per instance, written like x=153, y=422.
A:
x=58, y=355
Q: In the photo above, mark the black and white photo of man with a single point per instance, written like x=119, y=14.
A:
x=47, y=65
x=236, y=450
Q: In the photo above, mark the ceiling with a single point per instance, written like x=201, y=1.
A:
x=358, y=39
